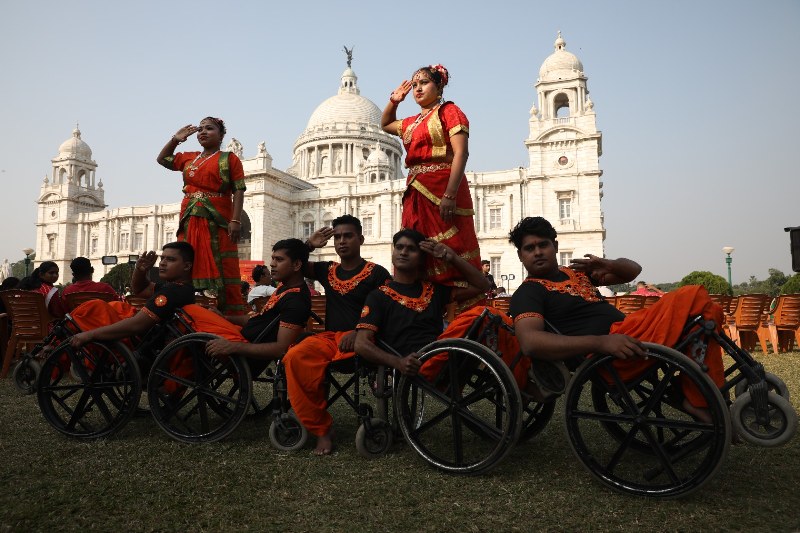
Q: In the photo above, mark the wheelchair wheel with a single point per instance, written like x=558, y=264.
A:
x=194, y=397
x=26, y=372
x=467, y=418
x=774, y=384
x=376, y=441
x=100, y=399
x=286, y=433
x=535, y=416
x=638, y=439
x=772, y=427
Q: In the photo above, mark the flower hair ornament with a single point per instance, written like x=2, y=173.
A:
x=441, y=70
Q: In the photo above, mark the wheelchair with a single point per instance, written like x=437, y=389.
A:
x=633, y=435
x=93, y=391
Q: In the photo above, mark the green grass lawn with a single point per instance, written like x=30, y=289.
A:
x=141, y=480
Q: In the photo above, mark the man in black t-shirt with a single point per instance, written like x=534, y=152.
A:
x=568, y=298
x=407, y=312
x=103, y=321
x=290, y=305
x=347, y=285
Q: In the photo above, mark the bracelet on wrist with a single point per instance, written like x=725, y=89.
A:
x=448, y=196
x=234, y=220
x=178, y=141
x=309, y=246
x=392, y=100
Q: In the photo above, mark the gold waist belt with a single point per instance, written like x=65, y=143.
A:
x=413, y=170
x=204, y=194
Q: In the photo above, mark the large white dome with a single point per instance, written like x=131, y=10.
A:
x=75, y=147
x=347, y=106
x=560, y=64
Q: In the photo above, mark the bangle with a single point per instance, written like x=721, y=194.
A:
x=392, y=100
x=176, y=140
x=309, y=246
x=448, y=196
x=234, y=220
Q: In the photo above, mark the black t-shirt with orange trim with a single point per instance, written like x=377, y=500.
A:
x=167, y=297
x=568, y=300
x=347, y=290
x=406, y=316
x=291, y=304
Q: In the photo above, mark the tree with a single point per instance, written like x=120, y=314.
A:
x=792, y=286
x=119, y=277
x=770, y=286
x=714, y=283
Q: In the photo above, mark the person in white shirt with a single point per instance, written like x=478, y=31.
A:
x=263, y=286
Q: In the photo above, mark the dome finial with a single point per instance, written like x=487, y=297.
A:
x=77, y=131
x=560, y=43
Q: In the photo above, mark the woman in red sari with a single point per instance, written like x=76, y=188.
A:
x=437, y=201
x=43, y=280
x=211, y=211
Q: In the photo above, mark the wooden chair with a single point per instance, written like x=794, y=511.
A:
x=318, y=308
x=29, y=322
x=744, y=323
x=628, y=303
x=783, y=328
x=612, y=300
x=77, y=298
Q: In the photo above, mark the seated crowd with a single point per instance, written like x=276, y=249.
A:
x=557, y=312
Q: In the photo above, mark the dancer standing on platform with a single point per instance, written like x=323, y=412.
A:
x=437, y=201
x=211, y=211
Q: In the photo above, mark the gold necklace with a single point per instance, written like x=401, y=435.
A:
x=193, y=167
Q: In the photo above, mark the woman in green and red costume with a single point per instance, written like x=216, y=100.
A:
x=211, y=211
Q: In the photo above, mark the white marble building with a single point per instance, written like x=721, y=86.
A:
x=344, y=163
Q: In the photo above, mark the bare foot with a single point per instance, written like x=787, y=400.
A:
x=325, y=444
x=699, y=413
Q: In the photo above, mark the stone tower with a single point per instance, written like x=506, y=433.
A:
x=64, y=201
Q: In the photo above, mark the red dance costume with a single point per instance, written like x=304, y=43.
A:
x=206, y=209
x=428, y=150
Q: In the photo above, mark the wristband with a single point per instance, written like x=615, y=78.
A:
x=234, y=220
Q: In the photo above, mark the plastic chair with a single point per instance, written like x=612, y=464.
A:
x=77, y=298
x=29, y=322
x=747, y=319
x=650, y=300
x=629, y=303
x=783, y=329
x=502, y=304
x=317, y=308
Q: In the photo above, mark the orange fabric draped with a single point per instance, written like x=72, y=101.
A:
x=306, y=364
x=506, y=343
x=663, y=324
x=97, y=313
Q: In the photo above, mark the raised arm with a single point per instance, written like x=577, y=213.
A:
x=478, y=283
x=318, y=239
x=175, y=140
x=607, y=271
x=389, y=116
x=141, y=286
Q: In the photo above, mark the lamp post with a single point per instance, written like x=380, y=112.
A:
x=728, y=250
x=27, y=252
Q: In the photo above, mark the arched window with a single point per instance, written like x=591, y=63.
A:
x=561, y=105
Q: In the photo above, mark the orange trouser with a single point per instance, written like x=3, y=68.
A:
x=663, y=324
x=97, y=313
x=305, y=364
x=205, y=321
x=506, y=343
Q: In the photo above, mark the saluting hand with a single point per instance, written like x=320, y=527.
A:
x=185, y=132
x=437, y=249
x=399, y=94
x=146, y=261
x=594, y=267
x=320, y=238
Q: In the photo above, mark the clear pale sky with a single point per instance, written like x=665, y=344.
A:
x=696, y=101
